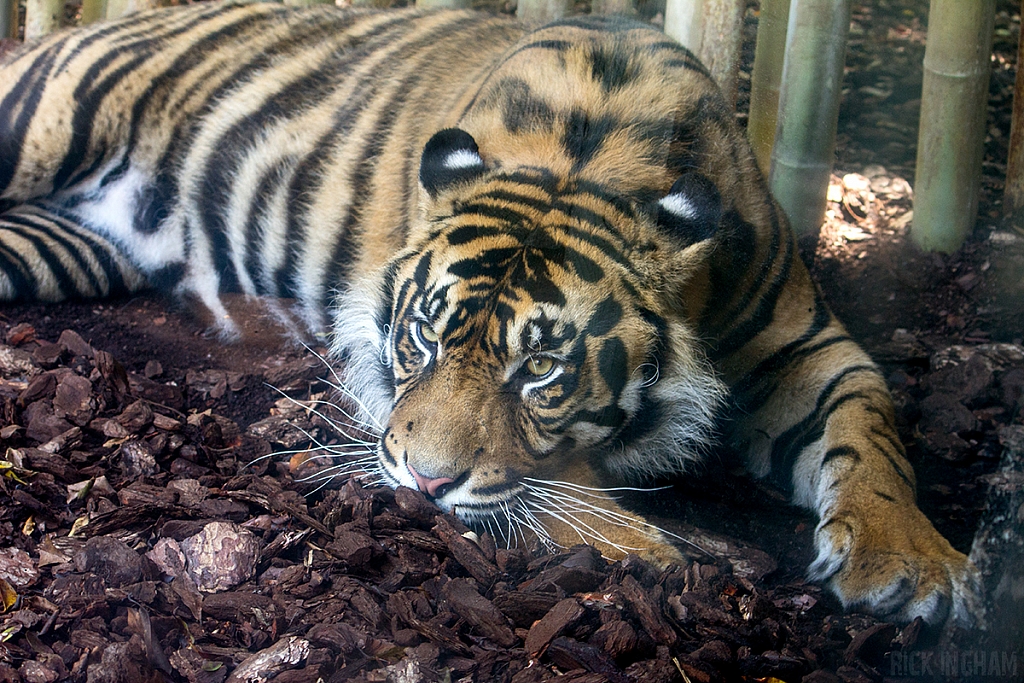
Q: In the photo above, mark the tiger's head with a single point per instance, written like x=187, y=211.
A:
x=532, y=324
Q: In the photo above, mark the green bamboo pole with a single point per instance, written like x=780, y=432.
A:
x=805, y=137
x=8, y=18
x=1013, y=196
x=542, y=11
x=765, y=80
x=684, y=21
x=42, y=17
x=93, y=10
x=952, y=129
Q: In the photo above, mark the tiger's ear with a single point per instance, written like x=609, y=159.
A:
x=450, y=157
x=692, y=208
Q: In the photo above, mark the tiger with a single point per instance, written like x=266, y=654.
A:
x=545, y=261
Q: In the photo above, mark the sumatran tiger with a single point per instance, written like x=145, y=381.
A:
x=545, y=258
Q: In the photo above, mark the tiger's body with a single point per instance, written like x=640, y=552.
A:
x=546, y=257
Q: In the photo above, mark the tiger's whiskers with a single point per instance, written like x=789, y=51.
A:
x=574, y=505
x=360, y=437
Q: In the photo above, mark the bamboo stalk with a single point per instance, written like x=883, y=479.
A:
x=721, y=40
x=952, y=129
x=93, y=11
x=42, y=17
x=805, y=138
x=542, y=11
x=764, y=82
x=712, y=30
x=8, y=18
x=1013, y=197
x=684, y=21
x=113, y=9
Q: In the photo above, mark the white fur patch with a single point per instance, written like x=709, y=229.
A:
x=678, y=205
x=110, y=211
x=463, y=158
x=355, y=336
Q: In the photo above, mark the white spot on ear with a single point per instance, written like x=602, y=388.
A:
x=679, y=205
x=463, y=158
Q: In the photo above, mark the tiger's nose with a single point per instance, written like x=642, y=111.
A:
x=429, y=486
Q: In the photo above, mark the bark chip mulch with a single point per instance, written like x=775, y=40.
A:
x=144, y=536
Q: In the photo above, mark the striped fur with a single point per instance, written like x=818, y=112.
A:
x=546, y=257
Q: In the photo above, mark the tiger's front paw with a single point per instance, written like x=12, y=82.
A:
x=898, y=568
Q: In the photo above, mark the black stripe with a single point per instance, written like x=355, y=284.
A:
x=309, y=174
x=557, y=45
x=255, y=235
x=787, y=446
x=504, y=196
x=755, y=390
x=57, y=234
x=888, y=455
x=385, y=454
x=103, y=250
x=685, y=58
x=90, y=93
x=610, y=416
x=613, y=67
x=584, y=135
x=344, y=250
x=152, y=207
x=605, y=317
x=26, y=93
x=612, y=361
x=603, y=245
x=764, y=311
x=128, y=31
x=17, y=271
x=840, y=452
x=493, y=490
x=620, y=203
x=515, y=220
x=236, y=143
x=755, y=387
x=51, y=260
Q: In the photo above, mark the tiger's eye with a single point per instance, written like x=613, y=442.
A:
x=539, y=366
x=428, y=333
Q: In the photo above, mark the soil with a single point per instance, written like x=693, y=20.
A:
x=203, y=560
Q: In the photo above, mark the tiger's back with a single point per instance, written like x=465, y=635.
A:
x=558, y=234
x=206, y=144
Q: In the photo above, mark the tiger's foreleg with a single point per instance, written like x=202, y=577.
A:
x=45, y=256
x=822, y=423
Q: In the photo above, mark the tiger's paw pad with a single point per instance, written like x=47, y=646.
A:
x=899, y=576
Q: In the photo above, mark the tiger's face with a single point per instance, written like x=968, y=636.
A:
x=532, y=324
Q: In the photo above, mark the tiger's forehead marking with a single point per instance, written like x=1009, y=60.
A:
x=535, y=337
